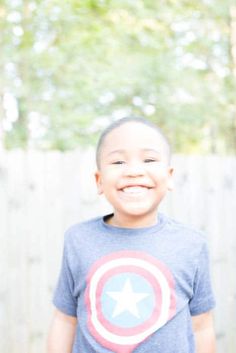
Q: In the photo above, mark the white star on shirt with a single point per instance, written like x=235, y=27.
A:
x=127, y=300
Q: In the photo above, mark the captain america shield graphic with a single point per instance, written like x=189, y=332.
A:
x=129, y=296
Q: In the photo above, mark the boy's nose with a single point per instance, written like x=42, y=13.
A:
x=134, y=169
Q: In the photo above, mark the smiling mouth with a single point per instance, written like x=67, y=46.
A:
x=135, y=189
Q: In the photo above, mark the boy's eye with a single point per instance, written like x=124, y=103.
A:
x=149, y=160
x=118, y=162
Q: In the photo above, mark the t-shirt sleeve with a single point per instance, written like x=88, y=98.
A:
x=203, y=297
x=63, y=298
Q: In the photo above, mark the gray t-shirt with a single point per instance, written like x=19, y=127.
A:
x=134, y=290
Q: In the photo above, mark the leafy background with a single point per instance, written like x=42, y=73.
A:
x=68, y=68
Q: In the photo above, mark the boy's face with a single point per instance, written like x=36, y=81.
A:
x=134, y=173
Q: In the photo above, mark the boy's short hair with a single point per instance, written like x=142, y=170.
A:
x=123, y=121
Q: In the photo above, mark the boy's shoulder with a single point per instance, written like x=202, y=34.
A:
x=185, y=231
x=83, y=226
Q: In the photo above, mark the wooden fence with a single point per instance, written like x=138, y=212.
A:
x=41, y=194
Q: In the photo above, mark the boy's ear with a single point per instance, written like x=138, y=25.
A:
x=170, y=183
x=98, y=182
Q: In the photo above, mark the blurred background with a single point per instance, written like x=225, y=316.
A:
x=69, y=68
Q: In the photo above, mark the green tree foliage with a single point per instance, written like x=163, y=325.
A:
x=70, y=67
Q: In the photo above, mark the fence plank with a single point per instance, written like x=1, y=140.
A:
x=17, y=247
x=4, y=283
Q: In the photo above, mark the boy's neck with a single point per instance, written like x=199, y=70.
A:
x=134, y=222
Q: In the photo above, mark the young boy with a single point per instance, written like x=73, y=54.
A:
x=134, y=280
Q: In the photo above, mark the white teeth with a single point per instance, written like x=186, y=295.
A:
x=134, y=189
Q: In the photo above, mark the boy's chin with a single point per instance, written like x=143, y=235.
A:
x=136, y=216
x=141, y=211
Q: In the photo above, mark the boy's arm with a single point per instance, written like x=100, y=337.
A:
x=204, y=333
x=61, y=333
